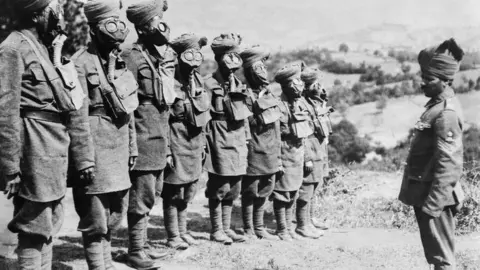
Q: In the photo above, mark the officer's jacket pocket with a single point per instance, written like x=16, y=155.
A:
x=38, y=75
x=146, y=81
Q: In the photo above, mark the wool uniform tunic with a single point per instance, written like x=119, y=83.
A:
x=187, y=142
x=227, y=139
x=35, y=147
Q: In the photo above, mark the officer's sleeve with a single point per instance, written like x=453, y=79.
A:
x=11, y=71
x=81, y=141
x=132, y=137
x=447, y=162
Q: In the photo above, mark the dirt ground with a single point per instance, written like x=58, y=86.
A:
x=340, y=248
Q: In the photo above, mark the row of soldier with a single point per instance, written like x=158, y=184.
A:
x=126, y=127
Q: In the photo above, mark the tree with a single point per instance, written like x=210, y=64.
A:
x=381, y=103
x=343, y=48
x=406, y=68
x=76, y=26
x=342, y=107
x=337, y=82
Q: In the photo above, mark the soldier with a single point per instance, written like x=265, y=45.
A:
x=189, y=116
x=431, y=181
x=264, y=147
x=42, y=116
x=153, y=67
x=102, y=204
x=227, y=136
x=316, y=145
x=295, y=126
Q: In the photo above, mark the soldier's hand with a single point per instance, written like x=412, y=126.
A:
x=281, y=170
x=87, y=175
x=170, y=162
x=308, y=166
x=13, y=185
x=131, y=162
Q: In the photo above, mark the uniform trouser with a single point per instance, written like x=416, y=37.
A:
x=100, y=213
x=146, y=186
x=36, y=223
x=307, y=192
x=260, y=186
x=437, y=234
x=179, y=194
x=222, y=188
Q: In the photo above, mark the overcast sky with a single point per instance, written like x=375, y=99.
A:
x=295, y=22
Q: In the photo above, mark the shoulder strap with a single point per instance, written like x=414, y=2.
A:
x=104, y=84
x=40, y=56
x=150, y=64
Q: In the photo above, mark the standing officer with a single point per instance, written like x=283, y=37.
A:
x=316, y=145
x=40, y=120
x=190, y=114
x=295, y=127
x=154, y=69
x=112, y=91
x=227, y=136
x=264, y=147
x=435, y=161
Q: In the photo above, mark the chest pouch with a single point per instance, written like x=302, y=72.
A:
x=300, y=124
x=197, y=108
x=269, y=112
x=121, y=99
x=236, y=106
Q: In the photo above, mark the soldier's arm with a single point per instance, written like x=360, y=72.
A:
x=132, y=137
x=81, y=141
x=11, y=71
x=448, y=162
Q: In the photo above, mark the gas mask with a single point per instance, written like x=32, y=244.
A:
x=257, y=74
x=156, y=31
x=294, y=88
x=112, y=31
x=316, y=90
x=50, y=22
x=192, y=58
x=232, y=61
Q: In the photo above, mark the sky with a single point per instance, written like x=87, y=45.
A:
x=286, y=24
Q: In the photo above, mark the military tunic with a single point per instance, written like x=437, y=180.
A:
x=102, y=204
x=33, y=146
x=431, y=180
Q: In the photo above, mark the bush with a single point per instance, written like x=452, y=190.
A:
x=346, y=145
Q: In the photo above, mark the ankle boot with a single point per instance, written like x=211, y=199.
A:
x=93, y=246
x=170, y=218
x=280, y=217
x=29, y=252
x=107, y=251
x=227, y=206
x=303, y=221
x=288, y=219
x=247, y=217
x=137, y=258
x=47, y=254
x=182, y=225
x=217, y=234
x=258, y=213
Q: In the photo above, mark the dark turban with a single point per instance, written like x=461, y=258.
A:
x=188, y=41
x=442, y=61
x=142, y=12
x=226, y=43
x=97, y=10
x=288, y=72
x=254, y=54
x=310, y=75
x=30, y=6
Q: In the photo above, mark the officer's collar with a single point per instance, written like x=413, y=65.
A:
x=446, y=94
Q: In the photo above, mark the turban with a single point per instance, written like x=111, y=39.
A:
x=226, y=43
x=254, y=54
x=142, y=12
x=288, y=72
x=97, y=10
x=30, y=6
x=441, y=62
x=310, y=75
x=188, y=41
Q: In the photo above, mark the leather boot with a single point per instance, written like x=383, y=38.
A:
x=107, y=251
x=279, y=210
x=302, y=221
x=29, y=252
x=93, y=246
x=316, y=223
x=217, y=234
x=288, y=219
x=47, y=254
x=258, y=213
x=149, y=250
x=182, y=224
x=247, y=217
x=137, y=258
x=170, y=219
x=227, y=207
